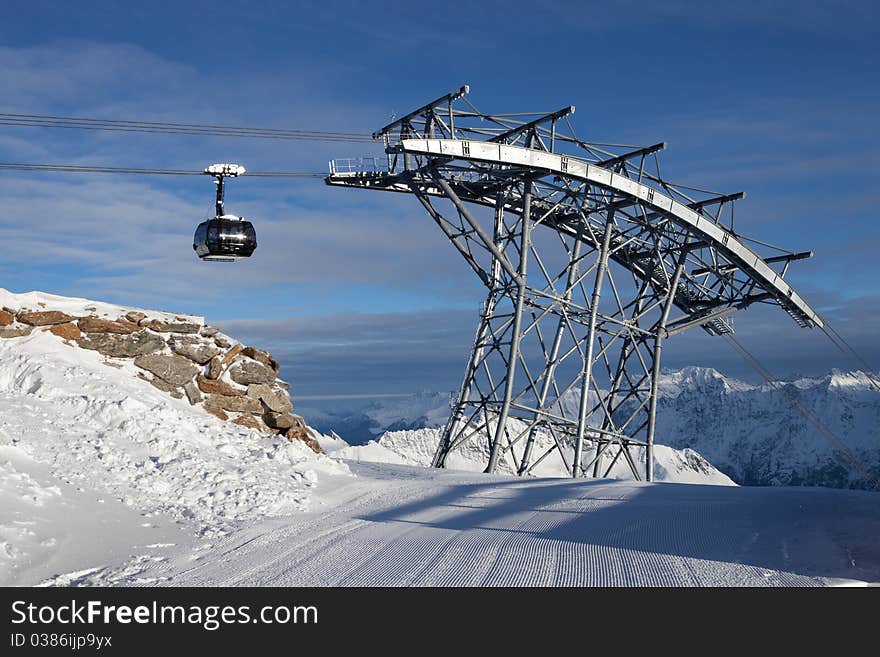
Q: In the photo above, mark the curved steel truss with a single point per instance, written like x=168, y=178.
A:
x=566, y=359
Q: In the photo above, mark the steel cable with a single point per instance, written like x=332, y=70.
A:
x=71, y=168
x=193, y=129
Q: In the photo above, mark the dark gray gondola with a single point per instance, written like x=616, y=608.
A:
x=225, y=238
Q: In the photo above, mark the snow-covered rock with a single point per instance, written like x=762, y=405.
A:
x=182, y=355
x=82, y=434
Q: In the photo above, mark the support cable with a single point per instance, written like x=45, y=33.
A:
x=74, y=168
x=157, y=127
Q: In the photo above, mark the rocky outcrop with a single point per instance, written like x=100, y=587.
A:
x=196, y=351
x=15, y=331
x=217, y=387
x=43, y=317
x=192, y=392
x=122, y=346
x=175, y=369
x=183, y=358
x=214, y=369
x=275, y=400
x=261, y=356
x=68, y=331
x=251, y=422
x=304, y=434
x=170, y=327
x=98, y=325
x=247, y=372
x=216, y=412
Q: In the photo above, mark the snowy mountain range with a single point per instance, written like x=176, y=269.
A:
x=753, y=433
x=360, y=425
x=757, y=434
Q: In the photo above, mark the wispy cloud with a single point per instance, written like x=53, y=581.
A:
x=359, y=293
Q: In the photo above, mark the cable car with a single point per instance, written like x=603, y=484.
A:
x=226, y=237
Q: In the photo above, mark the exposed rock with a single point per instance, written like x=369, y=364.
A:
x=261, y=356
x=15, y=331
x=182, y=358
x=98, y=325
x=214, y=369
x=236, y=404
x=197, y=352
x=216, y=412
x=250, y=421
x=214, y=387
x=250, y=371
x=134, y=326
x=164, y=386
x=193, y=395
x=275, y=400
x=304, y=435
x=68, y=331
x=172, y=327
x=122, y=346
x=44, y=317
x=278, y=420
x=232, y=353
x=176, y=370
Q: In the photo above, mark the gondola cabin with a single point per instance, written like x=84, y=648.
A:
x=225, y=239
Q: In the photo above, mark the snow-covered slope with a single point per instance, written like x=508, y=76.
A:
x=417, y=447
x=95, y=459
x=398, y=525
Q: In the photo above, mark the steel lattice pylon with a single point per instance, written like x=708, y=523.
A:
x=566, y=359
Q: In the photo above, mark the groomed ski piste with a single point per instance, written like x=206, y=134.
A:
x=105, y=480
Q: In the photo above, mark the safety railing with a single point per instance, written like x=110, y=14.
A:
x=355, y=165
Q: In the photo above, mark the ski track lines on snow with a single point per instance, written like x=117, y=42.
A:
x=473, y=530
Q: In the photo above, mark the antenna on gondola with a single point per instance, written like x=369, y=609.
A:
x=226, y=237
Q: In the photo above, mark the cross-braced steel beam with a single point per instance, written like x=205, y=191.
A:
x=591, y=261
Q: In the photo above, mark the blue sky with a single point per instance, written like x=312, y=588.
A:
x=358, y=292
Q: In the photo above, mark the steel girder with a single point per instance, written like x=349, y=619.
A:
x=566, y=358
